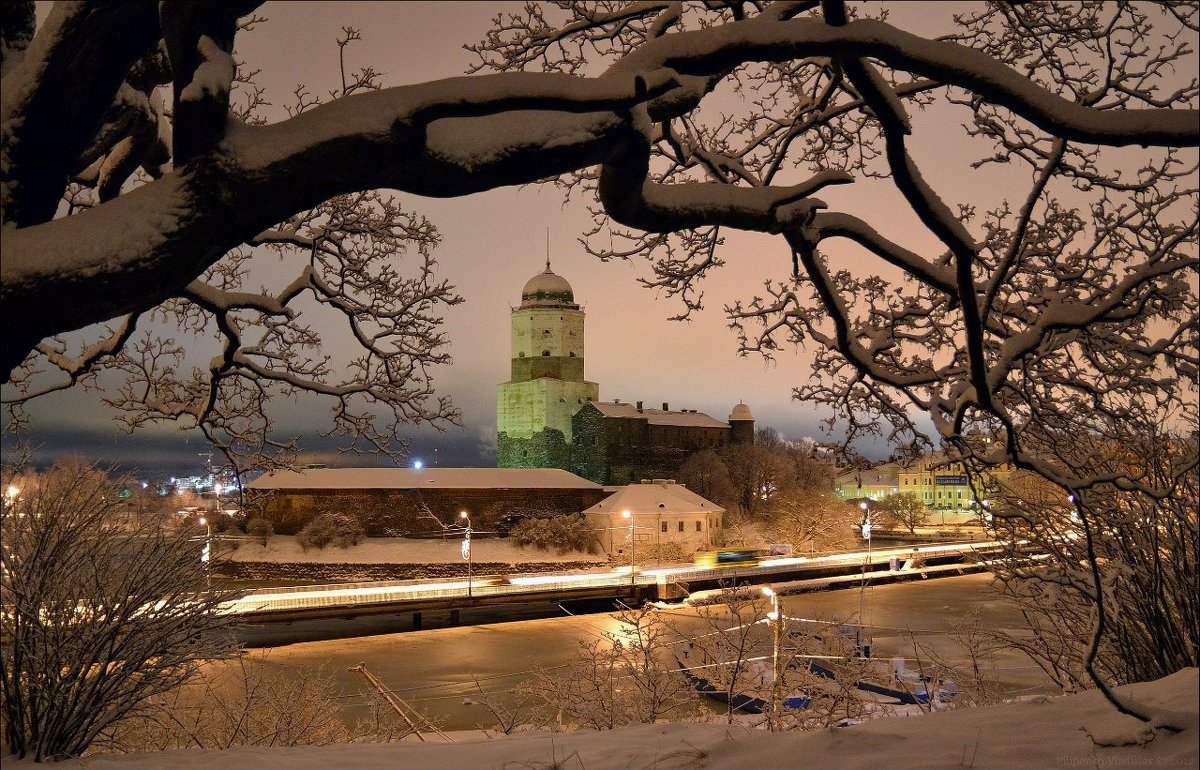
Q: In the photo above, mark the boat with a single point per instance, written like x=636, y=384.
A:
x=900, y=687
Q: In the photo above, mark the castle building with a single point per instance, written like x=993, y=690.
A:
x=619, y=443
x=547, y=385
x=549, y=416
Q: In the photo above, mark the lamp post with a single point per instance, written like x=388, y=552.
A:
x=775, y=617
x=862, y=593
x=217, y=496
x=632, y=554
x=204, y=552
x=466, y=548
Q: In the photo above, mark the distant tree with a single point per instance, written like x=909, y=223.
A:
x=903, y=509
x=808, y=518
x=260, y=529
x=706, y=474
x=101, y=617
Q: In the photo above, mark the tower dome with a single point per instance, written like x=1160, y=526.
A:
x=547, y=288
x=741, y=412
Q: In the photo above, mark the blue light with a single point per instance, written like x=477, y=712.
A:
x=418, y=465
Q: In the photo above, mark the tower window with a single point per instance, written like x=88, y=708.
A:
x=521, y=354
x=545, y=352
x=572, y=354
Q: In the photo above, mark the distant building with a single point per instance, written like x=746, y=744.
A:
x=941, y=486
x=406, y=501
x=549, y=416
x=945, y=486
x=619, y=443
x=661, y=512
x=873, y=483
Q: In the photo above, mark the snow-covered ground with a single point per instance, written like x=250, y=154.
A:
x=1047, y=733
x=399, y=550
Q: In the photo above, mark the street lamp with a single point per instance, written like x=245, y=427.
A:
x=10, y=494
x=632, y=554
x=775, y=617
x=466, y=548
x=862, y=592
x=204, y=552
x=217, y=496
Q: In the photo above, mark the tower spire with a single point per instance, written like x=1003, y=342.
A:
x=547, y=249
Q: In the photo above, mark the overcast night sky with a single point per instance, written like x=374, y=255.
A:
x=493, y=242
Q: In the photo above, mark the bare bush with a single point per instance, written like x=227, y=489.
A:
x=561, y=533
x=249, y=702
x=341, y=530
x=260, y=529
x=102, y=616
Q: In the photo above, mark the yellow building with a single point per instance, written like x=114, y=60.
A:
x=873, y=483
x=943, y=486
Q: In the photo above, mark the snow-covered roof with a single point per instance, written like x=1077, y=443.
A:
x=653, y=497
x=686, y=418
x=424, y=478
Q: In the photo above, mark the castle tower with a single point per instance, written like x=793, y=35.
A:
x=741, y=425
x=534, y=408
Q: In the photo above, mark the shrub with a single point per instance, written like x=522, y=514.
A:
x=331, y=528
x=560, y=533
x=260, y=529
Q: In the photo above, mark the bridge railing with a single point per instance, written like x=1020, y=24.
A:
x=390, y=591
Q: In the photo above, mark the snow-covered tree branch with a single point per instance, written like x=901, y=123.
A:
x=1063, y=303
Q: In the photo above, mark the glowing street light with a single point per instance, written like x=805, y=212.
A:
x=10, y=494
x=776, y=619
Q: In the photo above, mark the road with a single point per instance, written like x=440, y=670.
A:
x=433, y=669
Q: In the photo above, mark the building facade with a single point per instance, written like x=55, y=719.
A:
x=547, y=386
x=619, y=443
x=661, y=513
x=942, y=486
x=946, y=486
x=868, y=483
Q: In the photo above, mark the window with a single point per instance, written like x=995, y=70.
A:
x=663, y=526
x=699, y=527
x=681, y=526
x=545, y=352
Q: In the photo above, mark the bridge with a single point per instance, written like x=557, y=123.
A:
x=349, y=600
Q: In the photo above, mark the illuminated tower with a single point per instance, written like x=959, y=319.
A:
x=534, y=408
